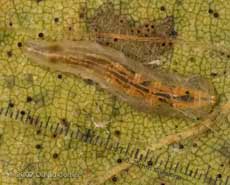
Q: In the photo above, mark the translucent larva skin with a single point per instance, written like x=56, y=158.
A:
x=147, y=90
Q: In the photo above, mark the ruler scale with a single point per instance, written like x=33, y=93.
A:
x=136, y=154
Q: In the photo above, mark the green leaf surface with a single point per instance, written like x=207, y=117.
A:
x=37, y=156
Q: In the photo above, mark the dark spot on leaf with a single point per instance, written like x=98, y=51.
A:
x=117, y=132
x=162, y=8
x=9, y=53
x=216, y=15
x=38, y=146
x=173, y=33
x=194, y=145
x=29, y=99
x=114, y=179
x=181, y=146
x=214, y=74
x=150, y=163
x=22, y=112
x=56, y=19
x=55, y=155
x=19, y=44
x=59, y=76
x=119, y=160
x=11, y=104
x=210, y=11
x=41, y=35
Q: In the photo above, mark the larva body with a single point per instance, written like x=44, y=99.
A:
x=145, y=89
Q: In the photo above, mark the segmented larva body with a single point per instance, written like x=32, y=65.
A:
x=145, y=89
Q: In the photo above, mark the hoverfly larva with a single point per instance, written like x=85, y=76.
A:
x=147, y=90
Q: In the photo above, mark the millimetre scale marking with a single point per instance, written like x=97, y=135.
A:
x=1, y=111
x=227, y=179
x=27, y=117
x=89, y=137
x=7, y=109
x=47, y=122
x=187, y=168
x=206, y=174
x=146, y=156
x=177, y=165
